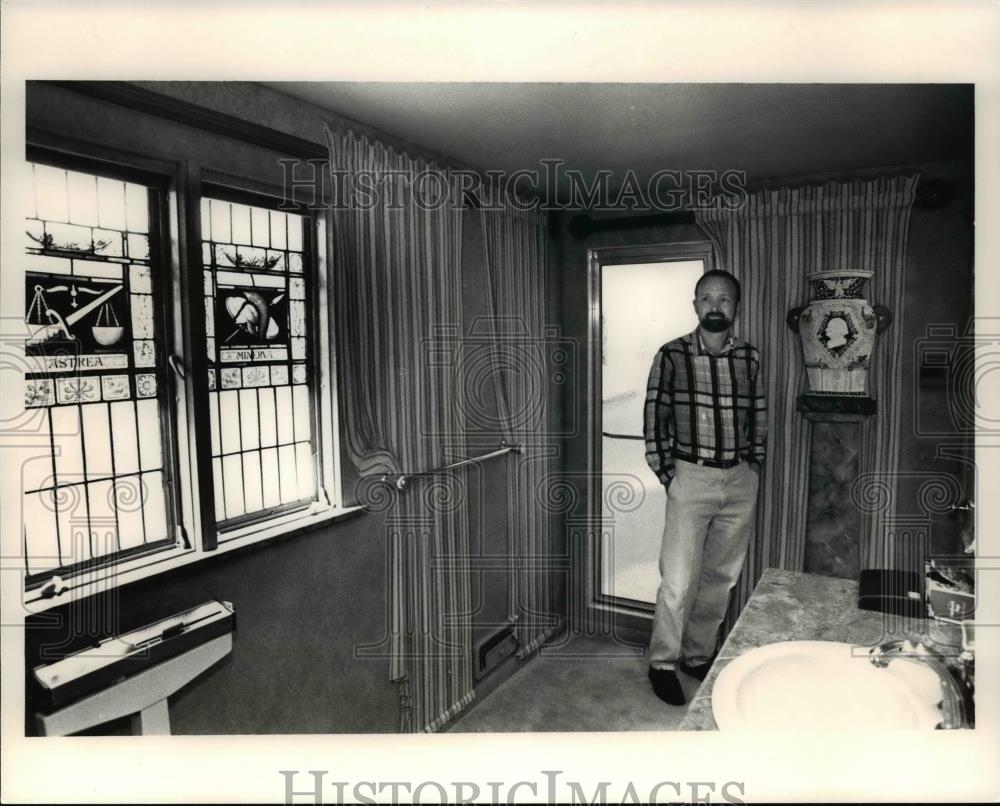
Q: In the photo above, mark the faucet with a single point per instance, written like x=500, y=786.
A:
x=957, y=707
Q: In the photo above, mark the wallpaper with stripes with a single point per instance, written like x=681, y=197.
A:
x=397, y=289
x=514, y=244
x=771, y=243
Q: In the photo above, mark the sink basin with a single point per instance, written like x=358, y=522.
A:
x=824, y=684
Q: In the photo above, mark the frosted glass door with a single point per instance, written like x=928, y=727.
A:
x=642, y=307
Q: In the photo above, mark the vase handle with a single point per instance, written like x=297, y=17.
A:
x=792, y=318
x=883, y=318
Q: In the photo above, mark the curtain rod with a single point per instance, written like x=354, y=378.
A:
x=403, y=478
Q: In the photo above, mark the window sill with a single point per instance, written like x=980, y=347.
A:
x=115, y=576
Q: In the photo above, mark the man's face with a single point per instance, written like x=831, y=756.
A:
x=715, y=304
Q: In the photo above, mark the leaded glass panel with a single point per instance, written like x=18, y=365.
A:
x=94, y=368
x=256, y=329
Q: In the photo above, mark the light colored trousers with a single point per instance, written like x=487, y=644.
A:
x=710, y=514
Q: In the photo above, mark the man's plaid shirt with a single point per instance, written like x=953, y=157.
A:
x=700, y=406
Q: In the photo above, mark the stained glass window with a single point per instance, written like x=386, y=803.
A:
x=256, y=293
x=117, y=483
x=94, y=367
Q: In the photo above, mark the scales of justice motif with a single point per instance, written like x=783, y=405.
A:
x=837, y=331
x=76, y=322
x=46, y=323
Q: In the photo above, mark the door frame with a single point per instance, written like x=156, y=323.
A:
x=631, y=614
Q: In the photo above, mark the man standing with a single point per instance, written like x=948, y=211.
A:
x=705, y=430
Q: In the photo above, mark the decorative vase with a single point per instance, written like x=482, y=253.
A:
x=837, y=329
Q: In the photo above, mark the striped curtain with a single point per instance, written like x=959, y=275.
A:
x=771, y=244
x=397, y=270
x=515, y=249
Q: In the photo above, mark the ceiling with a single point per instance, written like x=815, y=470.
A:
x=766, y=130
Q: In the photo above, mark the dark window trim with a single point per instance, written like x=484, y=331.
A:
x=159, y=177
x=241, y=190
x=68, y=572
x=154, y=103
x=261, y=516
x=235, y=190
x=597, y=259
x=118, y=163
x=183, y=183
x=143, y=100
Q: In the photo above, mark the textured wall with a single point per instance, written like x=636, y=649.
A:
x=939, y=292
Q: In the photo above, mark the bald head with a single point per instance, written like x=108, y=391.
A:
x=719, y=274
x=716, y=298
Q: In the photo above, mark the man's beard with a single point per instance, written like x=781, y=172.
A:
x=716, y=322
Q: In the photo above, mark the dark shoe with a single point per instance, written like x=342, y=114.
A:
x=699, y=672
x=667, y=686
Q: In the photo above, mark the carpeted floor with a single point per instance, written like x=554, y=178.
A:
x=584, y=684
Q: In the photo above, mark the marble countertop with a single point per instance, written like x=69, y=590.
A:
x=795, y=606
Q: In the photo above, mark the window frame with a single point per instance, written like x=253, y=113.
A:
x=631, y=614
x=178, y=187
x=215, y=185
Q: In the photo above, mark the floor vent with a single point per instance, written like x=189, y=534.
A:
x=494, y=649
